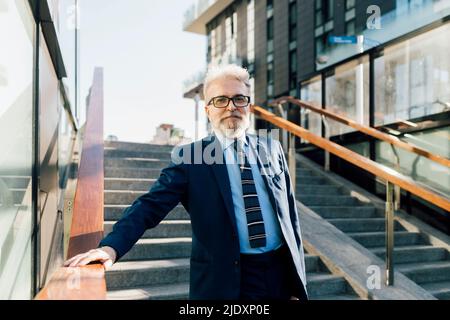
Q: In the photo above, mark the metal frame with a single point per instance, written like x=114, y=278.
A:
x=35, y=205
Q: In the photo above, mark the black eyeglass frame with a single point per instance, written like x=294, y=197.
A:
x=230, y=99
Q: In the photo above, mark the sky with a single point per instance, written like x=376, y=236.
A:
x=146, y=56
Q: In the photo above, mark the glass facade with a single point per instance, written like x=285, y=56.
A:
x=17, y=34
x=413, y=78
x=347, y=94
x=410, y=92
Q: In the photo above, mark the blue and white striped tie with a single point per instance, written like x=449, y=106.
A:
x=255, y=222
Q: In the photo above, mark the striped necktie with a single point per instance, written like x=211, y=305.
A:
x=255, y=222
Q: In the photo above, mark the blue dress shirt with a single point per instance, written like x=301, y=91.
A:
x=271, y=223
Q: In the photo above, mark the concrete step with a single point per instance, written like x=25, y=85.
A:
x=114, y=213
x=16, y=182
x=311, y=263
x=331, y=200
x=323, y=284
x=425, y=272
x=441, y=290
x=306, y=172
x=133, y=184
x=319, y=190
x=131, y=274
x=332, y=212
x=378, y=239
x=344, y=296
x=136, y=146
x=166, y=229
x=412, y=254
x=122, y=196
x=117, y=153
x=312, y=181
x=362, y=225
x=159, y=248
x=136, y=163
x=111, y=172
x=177, y=291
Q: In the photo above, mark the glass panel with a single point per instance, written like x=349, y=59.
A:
x=65, y=143
x=67, y=38
x=413, y=78
x=17, y=34
x=436, y=141
x=417, y=167
x=311, y=91
x=347, y=94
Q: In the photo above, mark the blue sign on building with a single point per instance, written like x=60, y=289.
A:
x=342, y=39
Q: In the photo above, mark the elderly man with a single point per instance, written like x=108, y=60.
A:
x=246, y=240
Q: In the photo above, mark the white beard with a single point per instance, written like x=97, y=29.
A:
x=233, y=133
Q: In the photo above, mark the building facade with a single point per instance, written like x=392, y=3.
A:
x=380, y=63
x=40, y=114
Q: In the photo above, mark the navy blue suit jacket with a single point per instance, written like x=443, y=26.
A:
x=203, y=187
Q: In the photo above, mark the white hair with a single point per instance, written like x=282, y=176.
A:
x=226, y=71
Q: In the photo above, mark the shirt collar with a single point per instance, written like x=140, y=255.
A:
x=225, y=142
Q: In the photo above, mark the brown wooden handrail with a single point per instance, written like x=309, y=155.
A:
x=87, y=220
x=365, y=129
x=376, y=169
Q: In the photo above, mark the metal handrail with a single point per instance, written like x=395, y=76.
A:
x=365, y=129
x=391, y=176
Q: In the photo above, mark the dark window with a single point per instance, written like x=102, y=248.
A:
x=292, y=21
x=324, y=11
x=350, y=28
x=292, y=69
x=270, y=29
x=293, y=61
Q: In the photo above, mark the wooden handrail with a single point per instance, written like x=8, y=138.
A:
x=376, y=169
x=87, y=219
x=365, y=129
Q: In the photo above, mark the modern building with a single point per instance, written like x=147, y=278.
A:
x=380, y=63
x=40, y=115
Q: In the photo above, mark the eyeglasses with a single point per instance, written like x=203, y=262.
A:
x=239, y=101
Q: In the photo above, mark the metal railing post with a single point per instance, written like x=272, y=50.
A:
x=327, y=136
x=291, y=161
x=389, y=234
x=397, y=189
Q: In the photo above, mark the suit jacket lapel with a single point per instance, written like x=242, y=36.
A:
x=261, y=149
x=223, y=181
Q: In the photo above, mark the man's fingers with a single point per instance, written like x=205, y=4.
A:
x=74, y=263
x=91, y=257
x=87, y=257
x=69, y=261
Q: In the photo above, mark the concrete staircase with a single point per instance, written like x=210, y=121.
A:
x=157, y=267
x=426, y=264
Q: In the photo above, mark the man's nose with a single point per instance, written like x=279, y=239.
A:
x=231, y=106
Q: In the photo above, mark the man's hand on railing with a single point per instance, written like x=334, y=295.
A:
x=106, y=255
